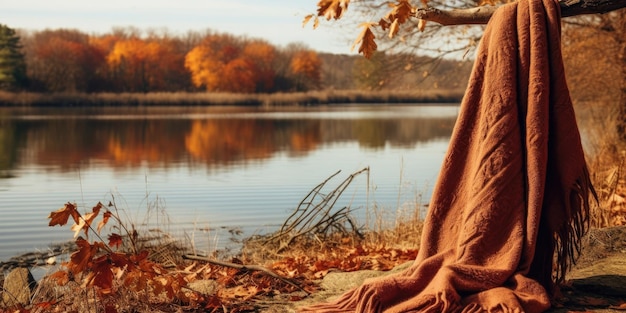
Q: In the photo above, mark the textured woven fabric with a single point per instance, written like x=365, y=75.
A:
x=512, y=198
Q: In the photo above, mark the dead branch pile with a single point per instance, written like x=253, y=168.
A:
x=316, y=218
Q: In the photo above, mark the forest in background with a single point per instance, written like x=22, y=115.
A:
x=135, y=61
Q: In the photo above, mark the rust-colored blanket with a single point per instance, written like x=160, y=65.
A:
x=512, y=197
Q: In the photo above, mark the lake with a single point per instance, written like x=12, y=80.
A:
x=202, y=172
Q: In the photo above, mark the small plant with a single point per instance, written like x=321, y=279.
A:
x=116, y=266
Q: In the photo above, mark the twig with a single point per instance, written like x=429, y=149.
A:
x=242, y=267
x=314, y=215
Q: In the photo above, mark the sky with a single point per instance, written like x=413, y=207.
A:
x=277, y=21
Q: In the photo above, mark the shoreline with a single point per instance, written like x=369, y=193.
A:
x=310, y=98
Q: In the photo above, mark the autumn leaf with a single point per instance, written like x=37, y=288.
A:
x=85, y=221
x=121, y=260
x=384, y=24
x=105, y=219
x=60, y=216
x=393, y=29
x=401, y=11
x=421, y=25
x=366, y=40
x=101, y=275
x=61, y=278
x=76, y=228
x=80, y=259
x=332, y=9
x=306, y=20
x=115, y=240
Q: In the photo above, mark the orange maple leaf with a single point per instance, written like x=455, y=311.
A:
x=122, y=261
x=60, y=216
x=80, y=259
x=85, y=222
x=101, y=275
x=115, y=240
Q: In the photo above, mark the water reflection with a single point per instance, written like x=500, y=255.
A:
x=215, y=167
x=68, y=138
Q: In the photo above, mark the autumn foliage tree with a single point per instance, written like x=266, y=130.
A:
x=306, y=67
x=130, y=60
x=222, y=63
x=263, y=56
x=62, y=60
x=207, y=61
x=143, y=65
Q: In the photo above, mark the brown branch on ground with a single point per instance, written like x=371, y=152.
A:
x=243, y=267
x=481, y=15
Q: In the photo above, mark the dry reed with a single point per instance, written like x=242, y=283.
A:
x=28, y=99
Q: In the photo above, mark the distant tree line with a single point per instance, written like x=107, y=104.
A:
x=129, y=60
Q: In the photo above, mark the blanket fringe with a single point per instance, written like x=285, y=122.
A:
x=568, y=239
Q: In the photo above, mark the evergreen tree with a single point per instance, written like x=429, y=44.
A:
x=12, y=64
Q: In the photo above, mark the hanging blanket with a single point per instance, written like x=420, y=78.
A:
x=511, y=202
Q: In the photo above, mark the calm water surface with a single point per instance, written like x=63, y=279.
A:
x=198, y=172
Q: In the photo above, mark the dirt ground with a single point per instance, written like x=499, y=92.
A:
x=596, y=284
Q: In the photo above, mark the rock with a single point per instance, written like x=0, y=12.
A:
x=613, y=264
x=17, y=287
x=206, y=287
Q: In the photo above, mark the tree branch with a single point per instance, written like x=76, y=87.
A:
x=481, y=15
x=242, y=267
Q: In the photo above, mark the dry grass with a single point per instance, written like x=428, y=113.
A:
x=27, y=99
x=606, y=153
x=319, y=231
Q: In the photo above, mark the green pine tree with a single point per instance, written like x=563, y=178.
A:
x=12, y=63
